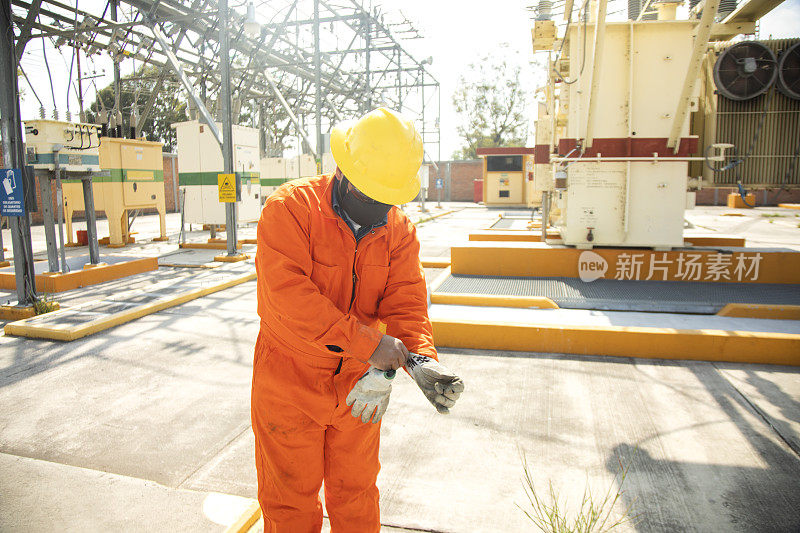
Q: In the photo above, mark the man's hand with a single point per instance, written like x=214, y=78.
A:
x=390, y=354
x=441, y=387
x=370, y=395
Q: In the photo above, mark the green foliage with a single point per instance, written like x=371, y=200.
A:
x=168, y=107
x=45, y=304
x=771, y=215
x=492, y=105
x=593, y=516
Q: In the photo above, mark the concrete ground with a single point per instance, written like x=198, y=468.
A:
x=145, y=427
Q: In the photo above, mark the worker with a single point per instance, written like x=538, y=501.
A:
x=337, y=260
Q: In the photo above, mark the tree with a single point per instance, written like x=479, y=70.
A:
x=168, y=108
x=492, y=105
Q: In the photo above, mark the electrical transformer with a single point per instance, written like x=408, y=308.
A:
x=135, y=181
x=79, y=145
x=616, y=182
x=199, y=163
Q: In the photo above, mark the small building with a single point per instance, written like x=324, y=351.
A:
x=508, y=176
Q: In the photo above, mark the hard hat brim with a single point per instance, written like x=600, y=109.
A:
x=381, y=193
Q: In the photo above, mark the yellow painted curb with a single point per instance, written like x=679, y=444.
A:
x=738, y=242
x=208, y=245
x=789, y=206
x=435, y=262
x=23, y=329
x=532, y=259
x=511, y=235
x=246, y=520
x=15, y=312
x=779, y=312
x=651, y=343
x=51, y=282
x=437, y=215
x=231, y=258
x=493, y=300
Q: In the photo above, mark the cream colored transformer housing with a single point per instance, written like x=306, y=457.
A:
x=616, y=192
x=273, y=175
x=79, y=142
x=135, y=181
x=301, y=166
x=200, y=161
x=275, y=171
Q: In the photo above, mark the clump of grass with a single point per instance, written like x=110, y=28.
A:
x=45, y=305
x=593, y=515
x=772, y=215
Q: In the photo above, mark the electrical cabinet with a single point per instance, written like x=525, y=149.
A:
x=135, y=181
x=199, y=163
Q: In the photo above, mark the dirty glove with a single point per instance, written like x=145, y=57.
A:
x=440, y=386
x=370, y=394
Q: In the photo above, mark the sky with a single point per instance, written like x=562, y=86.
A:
x=455, y=33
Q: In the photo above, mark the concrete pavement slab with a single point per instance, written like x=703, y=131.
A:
x=774, y=394
x=44, y=496
x=166, y=399
x=154, y=399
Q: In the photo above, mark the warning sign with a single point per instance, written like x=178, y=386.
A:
x=227, y=187
x=12, y=199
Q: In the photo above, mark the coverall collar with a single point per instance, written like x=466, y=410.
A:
x=337, y=208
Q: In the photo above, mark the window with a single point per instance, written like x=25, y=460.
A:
x=505, y=194
x=504, y=163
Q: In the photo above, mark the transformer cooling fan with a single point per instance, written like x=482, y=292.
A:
x=745, y=70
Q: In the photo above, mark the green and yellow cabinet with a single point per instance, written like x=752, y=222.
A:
x=136, y=181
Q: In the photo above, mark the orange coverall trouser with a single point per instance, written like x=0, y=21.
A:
x=305, y=434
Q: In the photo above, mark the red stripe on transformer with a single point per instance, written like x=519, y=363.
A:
x=630, y=147
x=541, y=154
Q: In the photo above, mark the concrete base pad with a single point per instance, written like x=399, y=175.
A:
x=660, y=336
x=111, y=267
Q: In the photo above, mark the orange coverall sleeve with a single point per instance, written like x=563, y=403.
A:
x=283, y=266
x=404, y=306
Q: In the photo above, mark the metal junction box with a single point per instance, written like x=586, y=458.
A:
x=199, y=163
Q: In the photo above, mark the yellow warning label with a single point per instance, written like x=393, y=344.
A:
x=227, y=187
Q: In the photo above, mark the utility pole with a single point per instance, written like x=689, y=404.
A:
x=368, y=93
x=13, y=156
x=81, y=114
x=318, y=84
x=117, y=84
x=227, y=126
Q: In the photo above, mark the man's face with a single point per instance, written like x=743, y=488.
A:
x=360, y=207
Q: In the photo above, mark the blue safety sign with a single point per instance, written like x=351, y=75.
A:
x=12, y=194
x=439, y=183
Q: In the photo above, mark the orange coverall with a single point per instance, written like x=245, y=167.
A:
x=321, y=298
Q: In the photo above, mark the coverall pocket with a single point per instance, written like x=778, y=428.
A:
x=373, y=283
x=328, y=280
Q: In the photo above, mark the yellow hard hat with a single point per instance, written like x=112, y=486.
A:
x=380, y=154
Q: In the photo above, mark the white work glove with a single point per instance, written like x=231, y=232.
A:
x=440, y=386
x=370, y=394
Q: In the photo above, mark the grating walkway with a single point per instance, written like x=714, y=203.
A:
x=615, y=295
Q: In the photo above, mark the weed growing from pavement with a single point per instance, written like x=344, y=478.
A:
x=772, y=215
x=593, y=516
x=45, y=304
